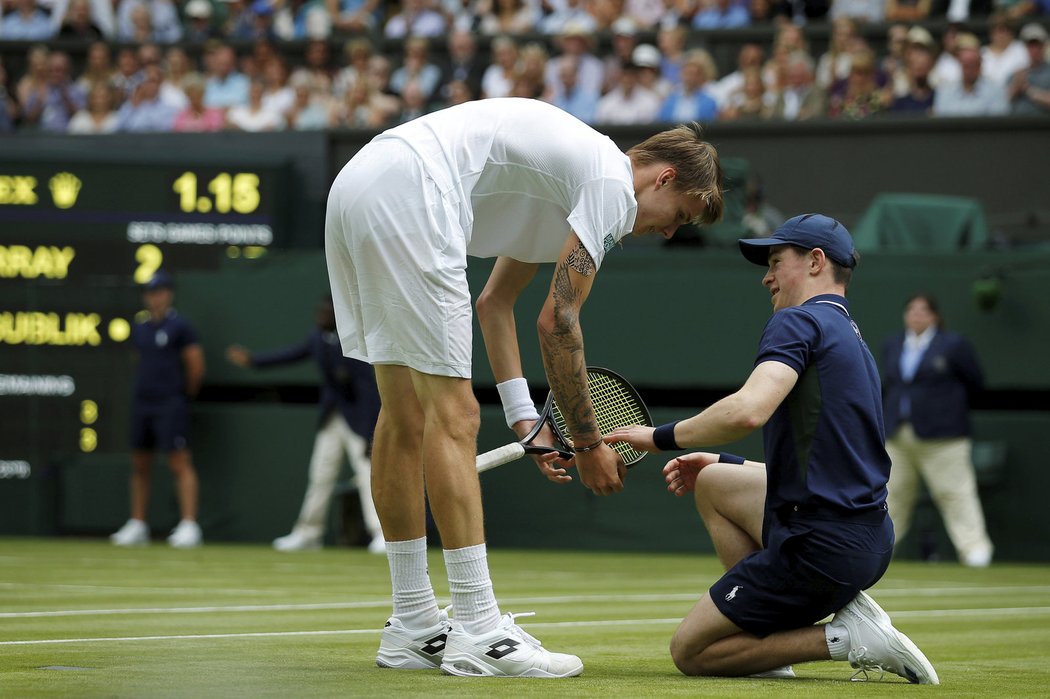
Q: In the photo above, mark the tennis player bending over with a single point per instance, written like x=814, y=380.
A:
x=802, y=535
x=522, y=181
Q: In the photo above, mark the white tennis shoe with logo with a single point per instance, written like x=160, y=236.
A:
x=413, y=649
x=876, y=645
x=506, y=651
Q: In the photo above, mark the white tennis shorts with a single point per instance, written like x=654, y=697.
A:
x=396, y=251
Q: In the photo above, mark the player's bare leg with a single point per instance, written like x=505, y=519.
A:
x=414, y=635
x=187, y=534
x=707, y=643
x=452, y=418
x=141, y=472
x=730, y=499
x=397, y=456
x=180, y=461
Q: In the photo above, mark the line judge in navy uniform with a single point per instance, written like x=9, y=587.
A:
x=168, y=375
x=349, y=410
x=929, y=376
x=803, y=534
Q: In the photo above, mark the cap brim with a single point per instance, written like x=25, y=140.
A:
x=757, y=249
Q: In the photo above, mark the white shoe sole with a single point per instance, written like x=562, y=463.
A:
x=130, y=544
x=465, y=665
x=404, y=660
x=780, y=673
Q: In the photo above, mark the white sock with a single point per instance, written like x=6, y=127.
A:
x=473, y=603
x=414, y=602
x=838, y=641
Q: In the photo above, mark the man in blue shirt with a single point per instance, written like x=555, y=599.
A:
x=170, y=371
x=802, y=535
x=349, y=410
x=25, y=22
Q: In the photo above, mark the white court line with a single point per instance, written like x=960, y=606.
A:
x=200, y=610
x=511, y=601
x=950, y=613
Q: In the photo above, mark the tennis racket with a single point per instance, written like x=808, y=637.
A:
x=616, y=404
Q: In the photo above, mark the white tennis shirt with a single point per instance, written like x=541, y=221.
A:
x=531, y=172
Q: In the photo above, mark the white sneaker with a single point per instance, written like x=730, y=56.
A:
x=876, y=645
x=296, y=542
x=981, y=558
x=377, y=545
x=409, y=649
x=780, y=673
x=186, y=535
x=135, y=532
x=506, y=651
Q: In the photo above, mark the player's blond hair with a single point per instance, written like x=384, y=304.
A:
x=694, y=159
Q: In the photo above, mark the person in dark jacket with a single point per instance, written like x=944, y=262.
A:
x=929, y=375
x=349, y=404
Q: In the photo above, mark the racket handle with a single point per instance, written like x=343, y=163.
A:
x=500, y=456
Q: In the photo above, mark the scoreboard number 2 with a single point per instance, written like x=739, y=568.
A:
x=149, y=258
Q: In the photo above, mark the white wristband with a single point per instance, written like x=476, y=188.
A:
x=517, y=403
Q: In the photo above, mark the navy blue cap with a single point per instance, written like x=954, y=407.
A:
x=159, y=280
x=806, y=231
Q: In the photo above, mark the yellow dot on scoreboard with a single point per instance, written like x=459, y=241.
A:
x=119, y=329
x=88, y=440
x=88, y=412
x=204, y=205
x=233, y=252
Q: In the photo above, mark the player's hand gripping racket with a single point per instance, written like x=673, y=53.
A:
x=616, y=404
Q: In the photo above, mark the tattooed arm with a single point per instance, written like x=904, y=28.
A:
x=561, y=341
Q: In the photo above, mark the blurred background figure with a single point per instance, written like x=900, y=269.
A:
x=1030, y=87
x=971, y=94
x=51, y=104
x=198, y=117
x=24, y=20
x=8, y=107
x=801, y=98
x=860, y=95
x=255, y=116
x=168, y=375
x=349, y=410
x=1004, y=54
x=929, y=377
x=77, y=24
x=628, y=102
x=463, y=64
x=416, y=18
x=99, y=115
x=498, y=78
x=145, y=110
x=311, y=110
x=690, y=100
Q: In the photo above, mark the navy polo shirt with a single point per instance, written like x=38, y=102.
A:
x=160, y=373
x=825, y=444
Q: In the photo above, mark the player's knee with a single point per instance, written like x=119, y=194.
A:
x=685, y=657
x=459, y=419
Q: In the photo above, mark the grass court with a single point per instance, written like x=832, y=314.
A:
x=81, y=618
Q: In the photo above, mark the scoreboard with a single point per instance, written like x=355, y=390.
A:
x=76, y=240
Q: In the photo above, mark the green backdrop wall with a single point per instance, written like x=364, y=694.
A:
x=687, y=320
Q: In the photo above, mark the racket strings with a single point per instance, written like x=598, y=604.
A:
x=615, y=405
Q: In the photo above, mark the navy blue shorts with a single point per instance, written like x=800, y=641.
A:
x=809, y=569
x=162, y=425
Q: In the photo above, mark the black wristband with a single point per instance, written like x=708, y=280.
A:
x=663, y=437
x=589, y=447
x=725, y=458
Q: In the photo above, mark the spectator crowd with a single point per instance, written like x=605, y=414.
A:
x=209, y=65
